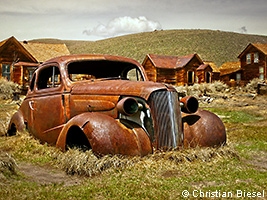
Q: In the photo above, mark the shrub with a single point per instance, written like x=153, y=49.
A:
x=8, y=88
x=252, y=85
x=203, y=88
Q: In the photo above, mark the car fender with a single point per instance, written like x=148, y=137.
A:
x=204, y=129
x=16, y=123
x=107, y=135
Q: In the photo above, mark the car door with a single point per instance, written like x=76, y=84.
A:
x=46, y=106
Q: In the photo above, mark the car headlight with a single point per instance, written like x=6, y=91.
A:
x=128, y=106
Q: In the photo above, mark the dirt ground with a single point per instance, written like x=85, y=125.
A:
x=47, y=175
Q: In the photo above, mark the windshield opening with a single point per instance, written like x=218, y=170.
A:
x=103, y=69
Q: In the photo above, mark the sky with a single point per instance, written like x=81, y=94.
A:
x=99, y=19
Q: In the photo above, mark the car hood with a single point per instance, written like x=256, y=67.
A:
x=118, y=87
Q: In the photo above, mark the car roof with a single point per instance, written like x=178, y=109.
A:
x=77, y=57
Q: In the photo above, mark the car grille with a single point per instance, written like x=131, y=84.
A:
x=165, y=110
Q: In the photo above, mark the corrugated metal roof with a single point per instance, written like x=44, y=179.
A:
x=203, y=66
x=170, y=62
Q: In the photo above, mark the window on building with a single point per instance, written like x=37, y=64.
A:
x=256, y=57
x=238, y=77
x=248, y=57
x=6, y=71
x=190, y=77
x=261, y=73
x=208, y=77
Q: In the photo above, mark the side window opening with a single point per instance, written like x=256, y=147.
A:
x=49, y=78
x=134, y=75
x=32, y=82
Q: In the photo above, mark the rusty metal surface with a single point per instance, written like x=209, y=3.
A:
x=189, y=104
x=204, y=129
x=106, y=104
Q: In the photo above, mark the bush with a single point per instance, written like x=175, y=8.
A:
x=253, y=84
x=8, y=88
x=203, y=88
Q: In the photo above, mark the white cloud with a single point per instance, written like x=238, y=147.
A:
x=124, y=25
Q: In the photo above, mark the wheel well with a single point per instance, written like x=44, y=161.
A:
x=77, y=139
x=12, y=130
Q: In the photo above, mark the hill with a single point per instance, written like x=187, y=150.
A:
x=210, y=45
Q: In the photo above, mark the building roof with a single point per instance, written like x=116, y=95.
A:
x=261, y=47
x=31, y=51
x=203, y=66
x=229, y=67
x=42, y=51
x=213, y=66
x=170, y=62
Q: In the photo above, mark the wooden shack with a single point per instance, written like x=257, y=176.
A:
x=177, y=70
x=253, y=62
x=231, y=73
x=19, y=59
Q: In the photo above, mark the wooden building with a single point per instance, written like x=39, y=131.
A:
x=253, y=62
x=19, y=59
x=177, y=70
x=231, y=73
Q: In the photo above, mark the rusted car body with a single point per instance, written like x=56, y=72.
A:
x=106, y=103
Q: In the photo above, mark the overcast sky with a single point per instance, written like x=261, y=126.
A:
x=98, y=19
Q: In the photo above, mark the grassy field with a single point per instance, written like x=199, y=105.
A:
x=215, y=46
x=29, y=170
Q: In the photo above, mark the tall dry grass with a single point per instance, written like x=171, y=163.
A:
x=8, y=88
x=87, y=164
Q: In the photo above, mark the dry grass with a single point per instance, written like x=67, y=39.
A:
x=87, y=164
x=215, y=46
x=7, y=164
x=7, y=89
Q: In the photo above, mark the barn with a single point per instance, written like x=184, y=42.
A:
x=19, y=59
x=177, y=70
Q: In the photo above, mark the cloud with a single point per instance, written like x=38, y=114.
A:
x=124, y=25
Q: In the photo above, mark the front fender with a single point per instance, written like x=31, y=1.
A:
x=204, y=129
x=16, y=124
x=107, y=135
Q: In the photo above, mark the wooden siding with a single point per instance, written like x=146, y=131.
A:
x=166, y=76
x=24, y=57
x=150, y=71
x=251, y=70
x=174, y=69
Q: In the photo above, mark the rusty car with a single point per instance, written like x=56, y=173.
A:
x=106, y=104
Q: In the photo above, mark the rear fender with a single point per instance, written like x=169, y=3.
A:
x=107, y=135
x=16, y=124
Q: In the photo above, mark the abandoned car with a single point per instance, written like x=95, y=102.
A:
x=106, y=103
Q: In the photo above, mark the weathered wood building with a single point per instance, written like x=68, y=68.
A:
x=253, y=62
x=231, y=73
x=178, y=70
x=19, y=59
